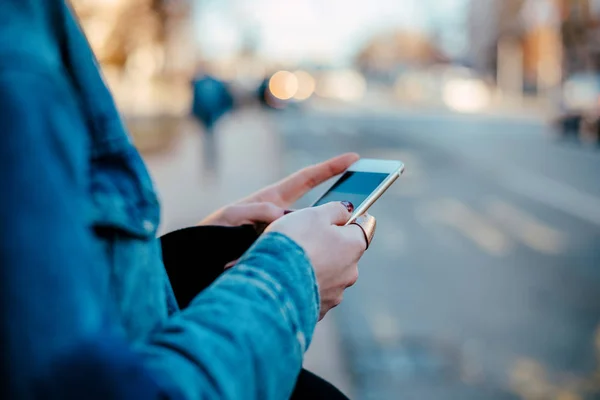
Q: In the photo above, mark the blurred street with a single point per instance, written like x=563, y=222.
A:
x=483, y=279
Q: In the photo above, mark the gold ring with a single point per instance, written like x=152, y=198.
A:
x=367, y=223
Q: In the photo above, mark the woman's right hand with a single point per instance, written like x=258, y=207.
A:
x=333, y=249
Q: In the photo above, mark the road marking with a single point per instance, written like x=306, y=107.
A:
x=529, y=230
x=445, y=237
x=549, y=192
x=531, y=379
x=554, y=194
x=472, y=225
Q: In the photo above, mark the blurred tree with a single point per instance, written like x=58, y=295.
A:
x=144, y=49
x=127, y=25
x=116, y=28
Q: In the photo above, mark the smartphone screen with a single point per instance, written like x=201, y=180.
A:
x=353, y=186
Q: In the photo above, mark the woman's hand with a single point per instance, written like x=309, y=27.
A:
x=287, y=191
x=333, y=249
x=270, y=203
x=245, y=213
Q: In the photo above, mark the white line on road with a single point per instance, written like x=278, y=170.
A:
x=531, y=231
x=472, y=225
x=547, y=191
x=553, y=193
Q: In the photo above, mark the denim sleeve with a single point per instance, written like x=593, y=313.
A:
x=243, y=338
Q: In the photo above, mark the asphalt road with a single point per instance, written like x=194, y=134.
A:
x=483, y=281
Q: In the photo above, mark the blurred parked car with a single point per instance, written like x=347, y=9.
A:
x=579, y=107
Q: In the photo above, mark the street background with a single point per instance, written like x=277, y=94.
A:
x=483, y=281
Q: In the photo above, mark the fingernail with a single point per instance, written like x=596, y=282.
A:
x=349, y=206
x=286, y=212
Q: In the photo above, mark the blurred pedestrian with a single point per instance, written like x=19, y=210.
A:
x=211, y=100
x=89, y=310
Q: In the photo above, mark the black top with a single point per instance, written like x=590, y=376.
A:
x=194, y=257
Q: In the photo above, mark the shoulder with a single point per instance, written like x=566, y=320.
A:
x=30, y=35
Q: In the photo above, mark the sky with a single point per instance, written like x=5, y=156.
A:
x=296, y=30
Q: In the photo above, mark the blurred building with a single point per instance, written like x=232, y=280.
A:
x=387, y=53
x=518, y=42
x=146, y=51
x=580, y=23
x=484, y=30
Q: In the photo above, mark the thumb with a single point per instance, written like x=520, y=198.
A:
x=337, y=212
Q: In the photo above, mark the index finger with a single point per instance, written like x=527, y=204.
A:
x=296, y=185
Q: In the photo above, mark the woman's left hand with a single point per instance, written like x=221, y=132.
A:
x=245, y=213
x=271, y=203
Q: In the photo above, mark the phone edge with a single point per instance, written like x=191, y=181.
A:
x=377, y=193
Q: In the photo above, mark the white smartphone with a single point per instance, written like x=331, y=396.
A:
x=362, y=184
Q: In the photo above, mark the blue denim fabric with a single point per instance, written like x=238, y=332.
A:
x=82, y=277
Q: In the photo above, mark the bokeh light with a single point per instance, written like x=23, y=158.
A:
x=466, y=95
x=306, y=85
x=283, y=85
x=346, y=85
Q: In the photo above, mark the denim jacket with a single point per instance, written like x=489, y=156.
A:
x=88, y=308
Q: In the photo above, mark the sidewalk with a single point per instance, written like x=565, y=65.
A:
x=195, y=174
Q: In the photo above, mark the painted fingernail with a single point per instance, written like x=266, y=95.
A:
x=286, y=212
x=349, y=206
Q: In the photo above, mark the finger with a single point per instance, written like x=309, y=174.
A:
x=299, y=183
x=336, y=212
x=231, y=264
x=257, y=212
x=355, y=237
x=367, y=223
